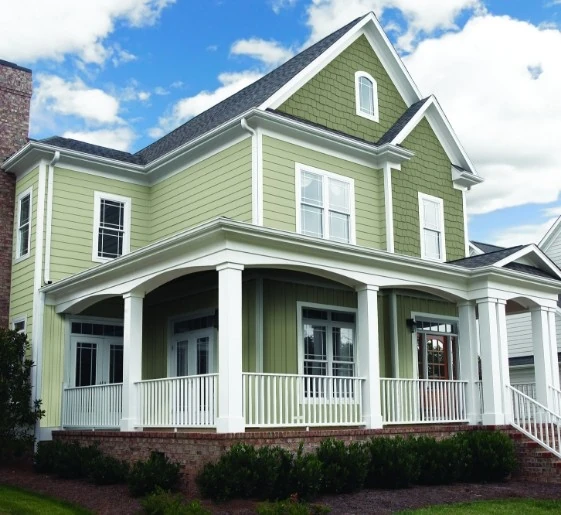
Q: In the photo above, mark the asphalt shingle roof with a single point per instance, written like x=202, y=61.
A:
x=485, y=259
x=403, y=120
x=487, y=247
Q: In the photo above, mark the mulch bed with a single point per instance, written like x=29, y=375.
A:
x=116, y=499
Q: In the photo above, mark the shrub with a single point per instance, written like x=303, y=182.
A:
x=46, y=456
x=106, y=470
x=291, y=507
x=158, y=471
x=306, y=476
x=392, y=463
x=344, y=467
x=438, y=462
x=488, y=456
x=273, y=469
x=73, y=461
x=161, y=502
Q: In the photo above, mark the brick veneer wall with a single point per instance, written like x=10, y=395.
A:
x=193, y=450
x=15, y=98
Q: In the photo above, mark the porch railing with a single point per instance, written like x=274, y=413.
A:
x=528, y=389
x=189, y=401
x=97, y=406
x=419, y=401
x=284, y=400
x=555, y=399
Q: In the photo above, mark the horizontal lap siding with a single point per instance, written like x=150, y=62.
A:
x=21, y=294
x=519, y=331
x=217, y=186
x=279, y=195
x=73, y=215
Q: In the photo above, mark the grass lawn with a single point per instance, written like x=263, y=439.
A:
x=501, y=507
x=14, y=501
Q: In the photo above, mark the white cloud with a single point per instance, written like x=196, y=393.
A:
x=505, y=113
x=522, y=234
x=132, y=93
x=186, y=108
x=270, y=53
x=121, y=56
x=279, y=5
x=55, y=96
x=422, y=16
x=55, y=28
x=120, y=138
x=161, y=91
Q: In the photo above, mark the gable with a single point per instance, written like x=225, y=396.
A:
x=328, y=98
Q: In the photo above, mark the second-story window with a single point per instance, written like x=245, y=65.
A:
x=325, y=204
x=23, y=242
x=366, y=90
x=431, y=217
x=111, y=226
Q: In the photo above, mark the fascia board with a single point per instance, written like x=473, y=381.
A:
x=474, y=247
x=530, y=249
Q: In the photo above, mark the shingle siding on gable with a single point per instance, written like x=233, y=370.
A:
x=329, y=97
x=428, y=172
x=279, y=196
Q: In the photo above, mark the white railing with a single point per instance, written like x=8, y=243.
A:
x=418, y=401
x=536, y=421
x=189, y=401
x=97, y=406
x=479, y=386
x=284, y=400
x=555, y=394
x=528, y=389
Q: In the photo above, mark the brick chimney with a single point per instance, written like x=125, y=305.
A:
x=15, y=98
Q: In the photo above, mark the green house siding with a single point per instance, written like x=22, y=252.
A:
x=329, y=97
x=406, y=305
x=73, y=217
x=384, y=335
x=279, y=196
x=217, y=186
x=21, y=295
x=429, y=171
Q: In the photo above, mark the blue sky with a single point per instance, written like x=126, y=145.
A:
x=122, y=72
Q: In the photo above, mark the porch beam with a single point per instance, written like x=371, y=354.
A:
x=132, y=358
x=230, y=383
x=542, y=354
x=469, y=369
x=368, y=353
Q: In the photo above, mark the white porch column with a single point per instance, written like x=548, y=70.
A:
x=553, y=347
x=542, y=354
x=494, y=358
x=503, y=354
x=230, y=382
x=368, y=354
x=132, y=359
x=469, y=370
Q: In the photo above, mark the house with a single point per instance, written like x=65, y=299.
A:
x=296, y=256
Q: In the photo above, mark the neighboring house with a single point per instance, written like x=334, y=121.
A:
x=295, y=256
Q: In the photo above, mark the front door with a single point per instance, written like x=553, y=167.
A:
x=97, y=360
x=193, y=353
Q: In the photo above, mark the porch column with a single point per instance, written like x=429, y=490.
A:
x=132, y=359
x=368, y=354
x=230, y=415
x=494, y=360
x=552, y=312
x=543, y=366
x=469, y=370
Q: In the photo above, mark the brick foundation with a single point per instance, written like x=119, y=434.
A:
x=15, y=98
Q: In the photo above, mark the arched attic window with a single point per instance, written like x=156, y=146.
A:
x=366, y=90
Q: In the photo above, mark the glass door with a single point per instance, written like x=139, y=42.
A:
x=96, y=360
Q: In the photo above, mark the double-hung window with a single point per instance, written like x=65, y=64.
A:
x=23, y=240
x=111, y=226
x=19, y=324
x=431, y=217
x=366, y=93
x=325, y=204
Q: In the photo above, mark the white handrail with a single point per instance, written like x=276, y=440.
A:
x=526, y=388
x=555, y=399
x=536, y=421
x=96, y=406
x=284, y=400
x=423, y=401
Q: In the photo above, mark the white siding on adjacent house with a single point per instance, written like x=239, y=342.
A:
x=519, y=331
x=522, y=374
x=554, y=251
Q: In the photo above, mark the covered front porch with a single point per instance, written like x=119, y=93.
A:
x=282, y=339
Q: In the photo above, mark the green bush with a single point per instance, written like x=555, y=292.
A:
x=439, y=462
x=73, y=461
x=487, y=456
x=161, y=502
x=46, y=456
x=291, y=507
x=306, y=476
x=344, y=467
x=393, y=463
x=273, y=469
x=158, y=471
x=106, y=470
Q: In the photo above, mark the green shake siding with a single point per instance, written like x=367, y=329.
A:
x=73, y=217
x=21, y=296
x=217, y=186
x=279, y=195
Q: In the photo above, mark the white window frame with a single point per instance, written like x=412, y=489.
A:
x=98, y=197
x=375, y=117
x=300, y=168
x=18, y=320
x=440, y=202
x=21, y=196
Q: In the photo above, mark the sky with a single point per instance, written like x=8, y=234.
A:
x=121, y=73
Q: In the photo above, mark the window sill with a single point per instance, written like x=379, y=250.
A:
x=21, y=258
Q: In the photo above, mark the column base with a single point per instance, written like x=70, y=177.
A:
x=373, y=422
x=493, y=419
x=128, y=424
x=230, y=425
